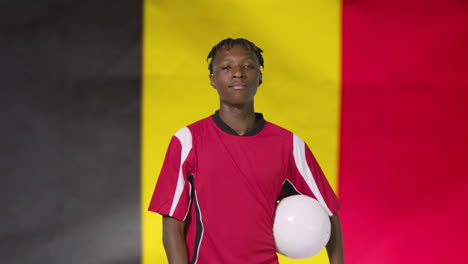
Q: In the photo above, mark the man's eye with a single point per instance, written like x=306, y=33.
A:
x=225, y=68
x=248, y=66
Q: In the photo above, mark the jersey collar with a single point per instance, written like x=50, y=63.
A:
x=259, y=124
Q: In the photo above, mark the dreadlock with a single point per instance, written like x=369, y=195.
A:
x=229, y=43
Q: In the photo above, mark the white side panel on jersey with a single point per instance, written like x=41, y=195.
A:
x=185, y=138
x=303, y=167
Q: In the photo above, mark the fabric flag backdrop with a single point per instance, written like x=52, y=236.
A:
x=404, y=135
x=378, y=89
x=300, y=88
x=70, y=88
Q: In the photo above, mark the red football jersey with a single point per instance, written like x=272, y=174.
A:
x=226, y=187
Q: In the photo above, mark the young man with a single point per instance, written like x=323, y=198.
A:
x=222, y=176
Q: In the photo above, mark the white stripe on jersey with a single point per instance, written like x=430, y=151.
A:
x=197, y=254
x=303, y=167
x=185, y=138
x=189, y=203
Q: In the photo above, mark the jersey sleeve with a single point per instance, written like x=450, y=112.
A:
x=307, y=178
x=171, y=195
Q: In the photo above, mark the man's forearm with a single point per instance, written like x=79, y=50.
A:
x=335, y=245
x=174, y=240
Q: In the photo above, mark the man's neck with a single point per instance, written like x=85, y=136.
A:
x=240, y=118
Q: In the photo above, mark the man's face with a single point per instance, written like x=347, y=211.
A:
x=236, y=75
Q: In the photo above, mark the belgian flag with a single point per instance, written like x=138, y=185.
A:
x=92, y=92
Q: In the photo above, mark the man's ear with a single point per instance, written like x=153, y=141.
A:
x=261, y=79
x=212, y=80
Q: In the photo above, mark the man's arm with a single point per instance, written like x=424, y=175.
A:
x=335, y=245
x=174, y=240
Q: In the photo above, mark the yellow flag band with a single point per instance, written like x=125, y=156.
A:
x=300, y=90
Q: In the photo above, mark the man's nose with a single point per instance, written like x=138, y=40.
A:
x=238, y=72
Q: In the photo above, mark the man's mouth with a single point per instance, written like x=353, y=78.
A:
x=238, y=86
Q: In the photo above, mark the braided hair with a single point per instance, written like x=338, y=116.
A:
x=229, y=43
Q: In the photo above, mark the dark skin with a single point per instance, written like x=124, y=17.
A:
x=236, y=77
x=174, y=240
x=335, y=244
